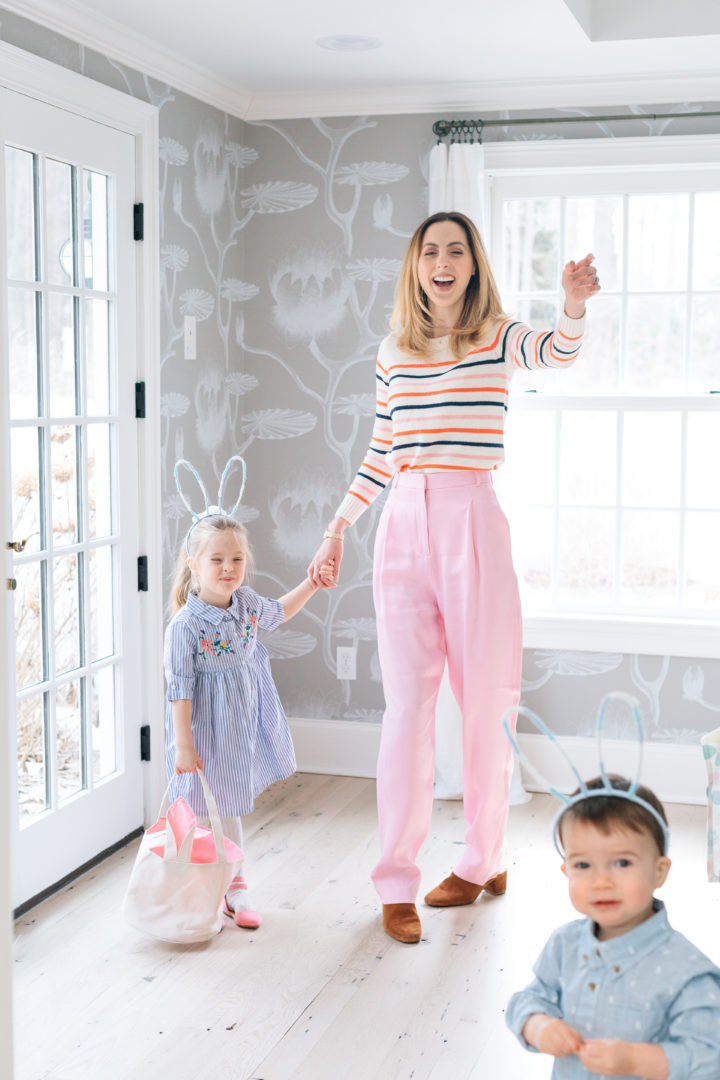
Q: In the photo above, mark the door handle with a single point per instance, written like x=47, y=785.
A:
x=11, y=584
x=18, y=545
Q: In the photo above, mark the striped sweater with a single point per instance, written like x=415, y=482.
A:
x=444, y=413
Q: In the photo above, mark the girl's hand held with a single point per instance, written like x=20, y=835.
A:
x=329, y=553
x=327, y=574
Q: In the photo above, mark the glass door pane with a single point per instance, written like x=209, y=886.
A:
x=73, y=465
x=61, y=472
x=20, y=180
x=32, y=764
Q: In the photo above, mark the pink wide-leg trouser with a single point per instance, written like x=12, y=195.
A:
x=444, y=587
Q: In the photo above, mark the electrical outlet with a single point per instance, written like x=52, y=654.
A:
x=346, y=662
x=190, y=329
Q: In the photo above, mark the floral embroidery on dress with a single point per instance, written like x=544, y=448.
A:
x=249, y=630
x=213, y=645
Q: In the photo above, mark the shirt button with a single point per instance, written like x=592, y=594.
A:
x=585, y=959
x=591, y=986
x=597, y=952
x=616, y=967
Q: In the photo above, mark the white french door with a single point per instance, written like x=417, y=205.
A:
x=70, y=300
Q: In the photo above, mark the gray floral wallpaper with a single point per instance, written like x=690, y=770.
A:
x=283, y=240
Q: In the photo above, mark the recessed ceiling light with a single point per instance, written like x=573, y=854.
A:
x=349, y=43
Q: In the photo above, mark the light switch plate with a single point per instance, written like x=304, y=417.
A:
x=346, y=662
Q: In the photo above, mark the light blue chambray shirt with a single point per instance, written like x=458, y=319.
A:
x=650, y=985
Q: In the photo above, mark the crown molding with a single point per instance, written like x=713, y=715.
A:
x=42, y=79
x=665, y=88
x=109, y=38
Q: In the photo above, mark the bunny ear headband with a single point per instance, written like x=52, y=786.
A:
x=584, y=791
x=210, y=511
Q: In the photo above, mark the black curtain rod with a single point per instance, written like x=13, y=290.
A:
x=443, y=128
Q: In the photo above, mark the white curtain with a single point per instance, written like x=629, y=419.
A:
x=457, y=182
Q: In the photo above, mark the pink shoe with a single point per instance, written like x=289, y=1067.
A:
x=248, y=919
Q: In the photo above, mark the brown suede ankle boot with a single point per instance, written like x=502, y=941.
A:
x=454, y=890
x=401, y=921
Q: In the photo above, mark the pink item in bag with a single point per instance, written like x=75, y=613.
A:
x=182, y=820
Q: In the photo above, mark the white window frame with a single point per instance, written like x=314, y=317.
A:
x=510, y=165
x=38, y=78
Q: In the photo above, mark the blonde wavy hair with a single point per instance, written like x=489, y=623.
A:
x=199, y=536
x=411, y=318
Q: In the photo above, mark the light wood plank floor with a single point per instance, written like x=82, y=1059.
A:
x=319, y=992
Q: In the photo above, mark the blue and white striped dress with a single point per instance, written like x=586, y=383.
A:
x=239, y=728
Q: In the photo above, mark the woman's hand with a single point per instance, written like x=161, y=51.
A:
x=187, y=759
x=580, y=282
x=330, y=551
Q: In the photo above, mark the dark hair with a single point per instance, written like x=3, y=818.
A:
x=605, y=812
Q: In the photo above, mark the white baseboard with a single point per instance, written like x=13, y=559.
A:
x=675, y=772
x=339, y=747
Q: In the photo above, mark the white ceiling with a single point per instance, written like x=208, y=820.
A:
x=259, y=59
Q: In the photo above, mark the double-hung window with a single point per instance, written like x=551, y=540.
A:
x=612, y=482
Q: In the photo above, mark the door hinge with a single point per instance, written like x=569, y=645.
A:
x=139, y=221
x=145, y=742
x=142, y=573
x=139, y=400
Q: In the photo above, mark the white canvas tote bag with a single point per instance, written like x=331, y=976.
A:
x=181, y=874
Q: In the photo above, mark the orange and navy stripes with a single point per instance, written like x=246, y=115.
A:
x=448, y=414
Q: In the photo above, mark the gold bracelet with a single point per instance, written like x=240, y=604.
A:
x=327, y=535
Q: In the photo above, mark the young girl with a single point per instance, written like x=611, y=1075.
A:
x=224, y=715
x=619, y=993
x=444, y=584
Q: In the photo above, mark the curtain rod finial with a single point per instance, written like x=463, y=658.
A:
x=459, y=130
